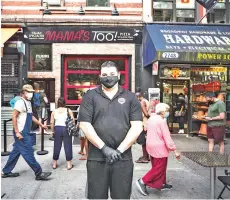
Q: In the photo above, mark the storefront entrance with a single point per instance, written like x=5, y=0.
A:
x=81, y=73
x=172, y=89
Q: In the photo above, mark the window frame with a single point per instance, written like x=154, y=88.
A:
x=51, y=49
x=102, y=57
x=98, y=6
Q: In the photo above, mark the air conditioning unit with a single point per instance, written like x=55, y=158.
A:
x=53, y=2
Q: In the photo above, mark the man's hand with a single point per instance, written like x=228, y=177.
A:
x=44, y=127
x=19, y=135
x=111, y=155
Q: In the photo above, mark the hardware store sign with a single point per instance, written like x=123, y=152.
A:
x=206, y=43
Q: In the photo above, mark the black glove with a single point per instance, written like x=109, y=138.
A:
x=111, y=154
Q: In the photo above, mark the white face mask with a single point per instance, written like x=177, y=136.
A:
x=29, y=95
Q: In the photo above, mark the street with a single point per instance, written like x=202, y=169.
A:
x=189, y=180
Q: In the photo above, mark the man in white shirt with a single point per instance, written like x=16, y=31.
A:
x=22, y=120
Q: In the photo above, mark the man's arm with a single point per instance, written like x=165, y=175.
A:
x=15, y=125
x=132, y=135
x=144, y=108
x=39, y=123
x=136, y=125
x=91, y=134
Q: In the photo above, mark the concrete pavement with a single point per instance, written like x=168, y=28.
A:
x=189, y=180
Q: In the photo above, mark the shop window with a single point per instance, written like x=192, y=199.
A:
x=54, y=2
x=82, y=74
x=162, y=11
x=98, y=3
x=218, y=13
x=185, y=15
x=40, y=57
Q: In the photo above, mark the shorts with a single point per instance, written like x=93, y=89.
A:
x=39, y=112
x=102, y=176
x=216, y=132
x=81, y=134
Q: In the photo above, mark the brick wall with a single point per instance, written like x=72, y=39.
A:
x=19, y=10
x=84, y=49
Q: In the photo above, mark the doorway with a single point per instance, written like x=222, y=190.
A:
x=48, y=85
x=172, y=89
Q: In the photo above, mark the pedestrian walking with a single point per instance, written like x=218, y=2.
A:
x=60, y=133
x=180, y=112
x=111, y=119
x=159, y=143
x=142, y=138
x=40, y=101
x=22, y=120
x=216, y=121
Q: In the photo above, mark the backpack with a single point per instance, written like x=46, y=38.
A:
x=36, y=99
x=13, y=101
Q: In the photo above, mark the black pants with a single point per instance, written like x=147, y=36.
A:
x=180, y=120
x=102, y=176
x=61, y=134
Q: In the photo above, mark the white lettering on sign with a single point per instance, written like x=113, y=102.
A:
x=170, y=55
x=104, y=36
x=40, y=56
x=195, y=39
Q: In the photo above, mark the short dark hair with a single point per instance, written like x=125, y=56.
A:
x=61, y=102
x=109, y=64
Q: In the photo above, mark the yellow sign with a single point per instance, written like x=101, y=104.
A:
x=209, y=69
x=213, y=56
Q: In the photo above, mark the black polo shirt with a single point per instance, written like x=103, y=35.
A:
x=110, y=118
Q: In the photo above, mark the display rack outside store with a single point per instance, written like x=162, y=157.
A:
x=203, y=80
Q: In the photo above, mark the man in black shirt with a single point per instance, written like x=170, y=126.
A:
x=111, y=119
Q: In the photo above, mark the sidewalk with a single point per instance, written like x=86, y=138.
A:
x=189, y=180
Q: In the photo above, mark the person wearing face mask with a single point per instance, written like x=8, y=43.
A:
x=111, y=119
x=216, y=121
x=22, y=120
x=158, y=143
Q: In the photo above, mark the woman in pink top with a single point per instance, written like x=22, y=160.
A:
x=158, y=143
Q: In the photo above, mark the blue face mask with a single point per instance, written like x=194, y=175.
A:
x=166, y=115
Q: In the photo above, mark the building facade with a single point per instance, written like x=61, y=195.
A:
x=185, y=52
x=65, y=42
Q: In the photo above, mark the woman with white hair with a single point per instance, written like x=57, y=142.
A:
x=158, y=143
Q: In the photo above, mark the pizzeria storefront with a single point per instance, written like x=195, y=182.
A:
x=188, y=59
x=68, y=58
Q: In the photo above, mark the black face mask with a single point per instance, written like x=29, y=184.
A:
x=109, y=81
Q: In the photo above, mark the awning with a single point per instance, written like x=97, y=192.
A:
x=6, y=33
x=186, y=43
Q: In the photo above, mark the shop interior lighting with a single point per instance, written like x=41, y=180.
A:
x=81, y=11
x=114, y=11
x=46, y=10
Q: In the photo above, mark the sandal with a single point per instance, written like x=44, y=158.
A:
x=81, y=153
x=141, y=160
x=70, y=167
x=83, y=158
x=55, y=167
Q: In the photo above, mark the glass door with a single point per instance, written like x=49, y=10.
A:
x=172, y=89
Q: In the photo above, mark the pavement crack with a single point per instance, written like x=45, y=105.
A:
x=36, y=190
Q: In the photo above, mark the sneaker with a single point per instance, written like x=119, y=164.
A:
x=10, y=175
x=166, y=187
x=142, y=187
x=182, y=130
x=43, y=176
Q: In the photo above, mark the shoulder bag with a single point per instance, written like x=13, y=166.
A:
x=70, y=125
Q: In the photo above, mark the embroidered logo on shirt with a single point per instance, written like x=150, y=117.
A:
x=121, y=100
